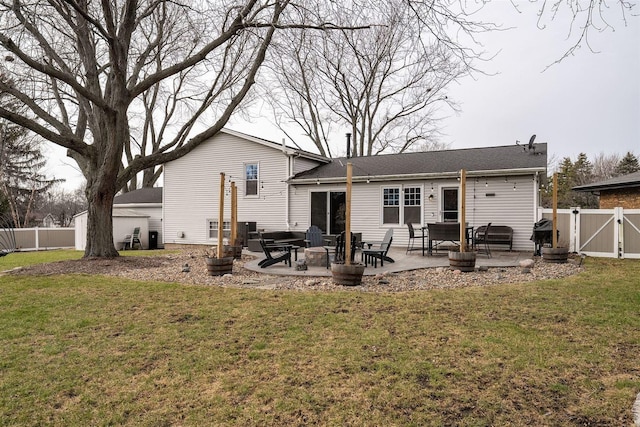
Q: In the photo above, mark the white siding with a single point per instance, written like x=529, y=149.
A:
x=506, y=207
x=191, y=188
x=124, y=221
x=301, y=164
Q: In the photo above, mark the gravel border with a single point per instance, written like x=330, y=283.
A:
x=188, y=267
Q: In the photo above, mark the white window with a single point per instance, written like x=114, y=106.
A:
x=400, y=206
x=412, y=205
x=391, y=205
x=251, y=177
x=213, y=228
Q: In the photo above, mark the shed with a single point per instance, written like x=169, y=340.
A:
x=140, y=208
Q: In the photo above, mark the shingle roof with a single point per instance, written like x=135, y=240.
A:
x=140, y=196
x=435, y=162
x=624, y=181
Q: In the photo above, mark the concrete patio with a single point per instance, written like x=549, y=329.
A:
x=403, y=262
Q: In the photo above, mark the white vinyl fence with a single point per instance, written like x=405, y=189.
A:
x=611, y=233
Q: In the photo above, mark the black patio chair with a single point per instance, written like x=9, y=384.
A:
x=413, y=237
x=480, y=239
x=283, y=256
x=339, y=253
x=373, y=255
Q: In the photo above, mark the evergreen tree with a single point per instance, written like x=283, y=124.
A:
x=628, y=164
x=21, y=182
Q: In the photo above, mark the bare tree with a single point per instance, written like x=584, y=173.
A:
x=604, y=166
x=85, y=67
x=384, y=84
x=63, y=205
x=584, y=17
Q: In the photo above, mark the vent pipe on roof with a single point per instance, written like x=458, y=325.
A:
x=348, y=145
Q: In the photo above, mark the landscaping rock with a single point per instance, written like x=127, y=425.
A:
x=527, y=263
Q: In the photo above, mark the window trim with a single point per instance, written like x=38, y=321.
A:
x=383, y=206
x=401, y=204
x=212, y=233
x=420, y=206
x=257, y=180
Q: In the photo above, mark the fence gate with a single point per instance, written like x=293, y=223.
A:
x=611, y=233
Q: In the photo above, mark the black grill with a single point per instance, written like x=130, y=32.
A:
x=542, y=234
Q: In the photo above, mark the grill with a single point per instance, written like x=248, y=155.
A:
x=542, y=234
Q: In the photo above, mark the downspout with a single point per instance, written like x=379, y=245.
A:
x=288, y=186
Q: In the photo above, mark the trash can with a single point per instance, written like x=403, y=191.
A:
x=153, y=240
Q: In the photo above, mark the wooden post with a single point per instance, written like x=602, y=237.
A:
x=555, y=210
x=220, y=252
x=347, y=215
x=463, y=210
x=234, y=214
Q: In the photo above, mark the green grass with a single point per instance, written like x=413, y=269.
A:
x=86, y=350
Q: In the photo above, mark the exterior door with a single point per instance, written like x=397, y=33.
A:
x=449, y=204
x=328, y=211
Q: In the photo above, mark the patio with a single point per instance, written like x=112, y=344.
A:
x=403, y=262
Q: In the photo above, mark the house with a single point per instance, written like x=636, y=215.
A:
x=391, y=190
x=139, y=208
x=282, y=188
x=260, y=170
x=622, y=191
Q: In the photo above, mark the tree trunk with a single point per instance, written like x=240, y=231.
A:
x=100, y=223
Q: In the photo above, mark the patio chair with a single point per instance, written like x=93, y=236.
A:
x=480, y=239
x=413, y=237
x=132, y=239
x=373, y=255
x=339, y=254
x=313, y=237
x=284, y=256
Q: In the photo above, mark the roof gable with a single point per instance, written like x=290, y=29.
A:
x=281, y=147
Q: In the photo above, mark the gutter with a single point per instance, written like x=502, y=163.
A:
x=417, y=176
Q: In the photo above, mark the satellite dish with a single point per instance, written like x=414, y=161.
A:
x=531, y=141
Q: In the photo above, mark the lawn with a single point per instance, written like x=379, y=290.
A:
x=91, y=350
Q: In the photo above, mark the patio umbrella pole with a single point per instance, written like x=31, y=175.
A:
x=220, y=252
x=463, y=210
x=347, y=225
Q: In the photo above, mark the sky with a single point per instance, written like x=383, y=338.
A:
x=589, y=102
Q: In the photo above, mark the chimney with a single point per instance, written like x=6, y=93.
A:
x=348, y=145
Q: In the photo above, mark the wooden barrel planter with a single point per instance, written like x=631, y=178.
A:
x=233, y=251
x=463, y=261
x=555, y=255
x=347, y=275
x=219, y=266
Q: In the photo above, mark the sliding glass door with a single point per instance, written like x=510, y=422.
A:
x=328, y=211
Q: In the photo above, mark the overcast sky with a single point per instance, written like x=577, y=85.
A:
x=589, y=102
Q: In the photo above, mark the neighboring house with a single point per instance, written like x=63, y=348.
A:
x=281, y=188
x=622, y=191
x=46, y=221
x=139, y=208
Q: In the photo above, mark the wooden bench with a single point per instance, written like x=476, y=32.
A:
x=498, y=235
